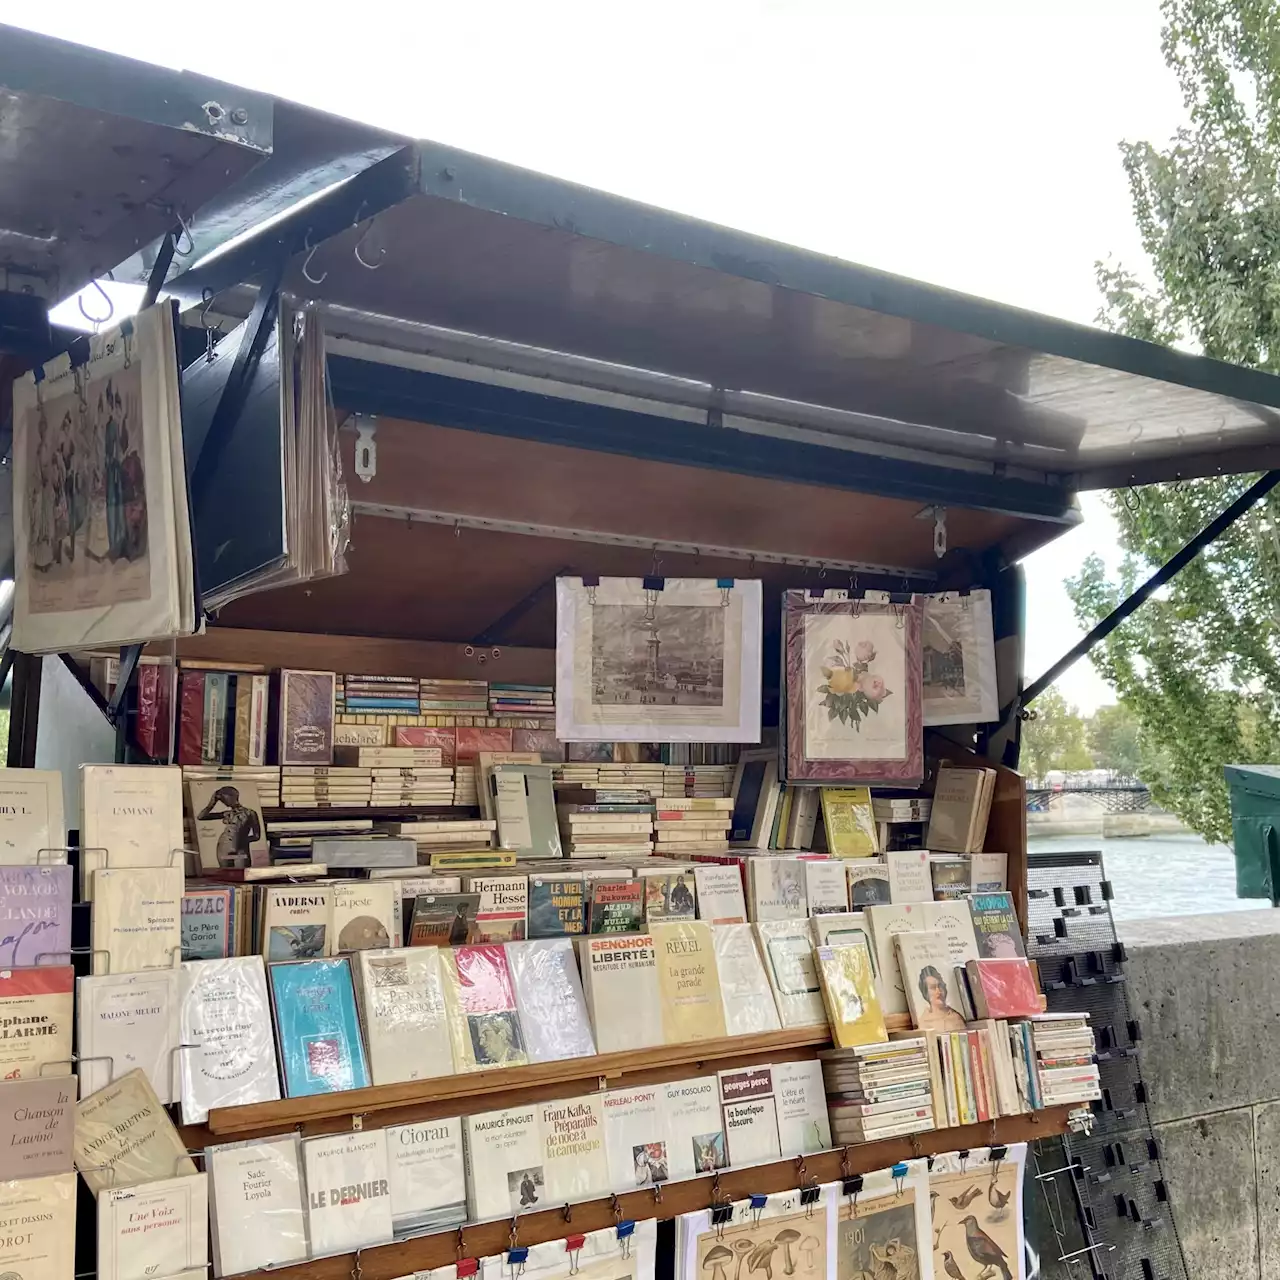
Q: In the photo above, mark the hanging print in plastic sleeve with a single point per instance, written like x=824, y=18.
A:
x=958, y=654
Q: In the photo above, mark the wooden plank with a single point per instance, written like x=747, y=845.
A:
x=386, y=1262
x=510, y=1086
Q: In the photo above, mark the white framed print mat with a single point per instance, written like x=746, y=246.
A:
x=102, y=533
x=852, y=689
x=958, y=659
x=658, y=659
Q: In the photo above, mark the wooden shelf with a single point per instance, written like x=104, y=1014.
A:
x=384, y=1262
x=507, y=1086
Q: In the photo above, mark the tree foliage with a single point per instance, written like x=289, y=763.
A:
x=1113, y=736
x=1199, y=666
x=1055, y=738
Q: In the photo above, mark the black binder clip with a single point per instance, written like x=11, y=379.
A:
x=757, y=1207
x=851, y=1189
x=810, y=1195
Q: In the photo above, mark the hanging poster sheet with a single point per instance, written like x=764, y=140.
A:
x=601, y=1256
x=852, y=689
x=675, y=662
x=102, y=530
x=977, y=1214
x=883, y=1232
x=958, y=655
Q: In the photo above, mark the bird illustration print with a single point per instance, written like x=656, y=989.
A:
x=966, y=1197
x=998, y=1199
x=952, y=1267
x=984, y=1250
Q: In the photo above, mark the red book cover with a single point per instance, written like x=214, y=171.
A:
x=191, y=717
x=155, y=713
x=44, y=980
x=484, y=981
x=471, y=741
x=412, y=735
x=1003, y=988
x=981, y=1097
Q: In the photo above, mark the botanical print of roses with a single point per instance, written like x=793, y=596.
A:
x=850, y=690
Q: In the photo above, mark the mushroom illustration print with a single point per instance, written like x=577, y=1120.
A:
x=786, y=1238
x=809, y=1252
x=716, y=1259
x=741, y=1248
x=761, y=1258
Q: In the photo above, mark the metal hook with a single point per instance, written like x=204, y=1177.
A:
x=382, y=252
x=177, y=242
x=106, y=297
x=206, y=301
x=355, y=1266
x=311, y=253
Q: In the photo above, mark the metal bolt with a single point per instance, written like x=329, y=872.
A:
x=240, y=116
x=447, y=174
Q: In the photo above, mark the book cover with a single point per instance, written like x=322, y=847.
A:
x=950, y=876
x=800, y=1099
x=745, y=993
x=550, y=999
x=428, y=1176
x=31, y=815
x=849, y=994
x=886, y=921
x=826, y=886
x=230, y=829
x=777, y=888
x=1003, y=988
x=317, y=1030
x=243, y=702
x=868, y=883
x=35, y=1021
x=217, y=689
x=123, y=1137
x=688, y=981
x=224, y=1024
x=127, y=1021
x=480, y=1003
x=695, y=1127
x=444, y=920
x=136, y=922
x=617, y=906
x=669, y=896
x=841, y=928
x=719, y=894
x=297, y=922
x=556, y=908
x=131, y=816
x=635, y=1137
x=929, y=980
x=909, y=878
x=849, y=822
x=35, y=913
x=574, y=1162
x=258, y=1181
x=524, y=805
x=206, y=924
x=348, y=1191
x=364, y=915
x=953, y=919
x=957, y=798
x=995, y=925
x=38, y=1227
x=191, y=717
x=620, y=981
x=750, y=1115
x=401, y=999
x=37, y=1127
x=160, y=1229
x=787, y=948
x=306, y=717
x=504, y=1153
x=504, y=905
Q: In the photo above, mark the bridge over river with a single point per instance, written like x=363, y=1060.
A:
x=1117, y=797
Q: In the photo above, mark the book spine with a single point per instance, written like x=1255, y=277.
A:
x=258, y=699
x=153, y=710
x=191, y=718
x=240, y=735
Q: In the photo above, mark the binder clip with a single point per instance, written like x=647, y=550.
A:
x=517, y=1254
x=997, y=1155
x=725, y=585
x=757, y=1207
x=573, y=1247
x=625, y=1231
x=851, y=1187
x=964, y=1159
x=899, y=1172
x=809, y=1196
x=464, y=1267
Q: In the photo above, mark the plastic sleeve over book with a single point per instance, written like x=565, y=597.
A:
x=549, y=997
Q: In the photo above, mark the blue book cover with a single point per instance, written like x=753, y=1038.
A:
x=555, y=907
x=317, y=1029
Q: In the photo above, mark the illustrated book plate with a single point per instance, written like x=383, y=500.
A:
x=959, y=659
x=658, y=659
x=853, y=690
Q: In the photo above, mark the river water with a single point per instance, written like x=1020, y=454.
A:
x=1161, y=875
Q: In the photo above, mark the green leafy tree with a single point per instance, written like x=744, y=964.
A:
x=1199, y=666
x=1113, y=734
x=1055, y=738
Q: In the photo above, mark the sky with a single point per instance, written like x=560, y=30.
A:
x=970, y=145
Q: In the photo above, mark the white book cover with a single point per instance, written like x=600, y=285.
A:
x=750, y=1115
x=886, y=920
x=786, y=947
x=31, y=815
x=801, y=1102
x=549, y=997
x=259, y=1182
x=364, y=915
x=695, y=1127
x=348, y=1191
x=136, y=919
x=574, y=1162
x=401, y=996
x=777, y=888
x=224, y=1020
x=504, y=1154
x=635, y=1137
x=988, y=872
x=954, y=918
x=620, y=981
x=428, y=1174
x=720, y=896
x=38, y=1227
x=826, y=886
x=297, y=922
x=745, y=993
x=130, y=816
x=128, y=1020
x=154, y=1230
x=909, y=876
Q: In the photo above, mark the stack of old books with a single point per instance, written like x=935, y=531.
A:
x=685, y=825
x=1060, y=1047
x=877, y=1091
x=291, y=839
x=573, y=773
x=605, y=824
x=523, y=706
x=465, y=786
x=326, y=786
x=359, y=695
x=265, y=779
x=701, y=780
x=437, y=835
x=402, y=775
x=641, y=777
x=450, y=697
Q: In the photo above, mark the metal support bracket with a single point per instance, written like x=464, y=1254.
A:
x=939, y=517
x=366, y=425
x=159, y=270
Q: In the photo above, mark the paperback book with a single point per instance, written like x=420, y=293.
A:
x=480, y=1000
x=136, y=919
x=787, y=948
x=38, y=1227
x=574, y=1162
x=348, y=1191
x=616, y=906
x=35, y=911
x=635, y=1136
x=297, y=922
x=401, y=999
x=801, y=1103
x=317, y=1030
x=750, y=1115
x=620, y=982
x=688, y=981
x=550, y=999
x=504, y=1158
x=258, y=1181
x=695, y=1127
x=427, y=1170
x=31, y=815
x=131, y=816
x=37, y=1127
x=128, y=1021
x=160, y=1229
x=35, y=1021
x=744, y=986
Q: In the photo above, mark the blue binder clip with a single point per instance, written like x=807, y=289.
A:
x=725, y=584
x=625, y=1231
x=653, y=583
x=899, y=1172
x=757, y=1204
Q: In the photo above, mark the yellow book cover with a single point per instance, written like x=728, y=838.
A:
x=849, y=822
x=471, y=859
x=688, y=981
x=849, y=993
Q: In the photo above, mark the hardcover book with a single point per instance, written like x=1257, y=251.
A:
x=480, y=1000
x=206, y=924
x=124, y=1137
x=37, y=1127
x=688, y=981
x=38, y=1227
x=348, y=1191
x=719, y=894
x=136, y=919
x=750, y=1115
x=574, y=1162
x=317, y=1030
x=224, y=1026
x=401, y=999
x=428, y=1175
x=556, y=907
x=787, y=948
x=550, y=999
x=297, y=922
x=35, y=1021
x=849, y=994
x=131, y=816
x=617, y=906
x=744, y=986
x=620, y=981
x=258, y=1181
x=160, y=1229
x=364, y=915
x=695, y=1127
x=31, y=815
x=35, y=913
x=306, y=717
x=635, y=1137
x=504, y=1155
x=800, y=1100
x=127, y=1021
